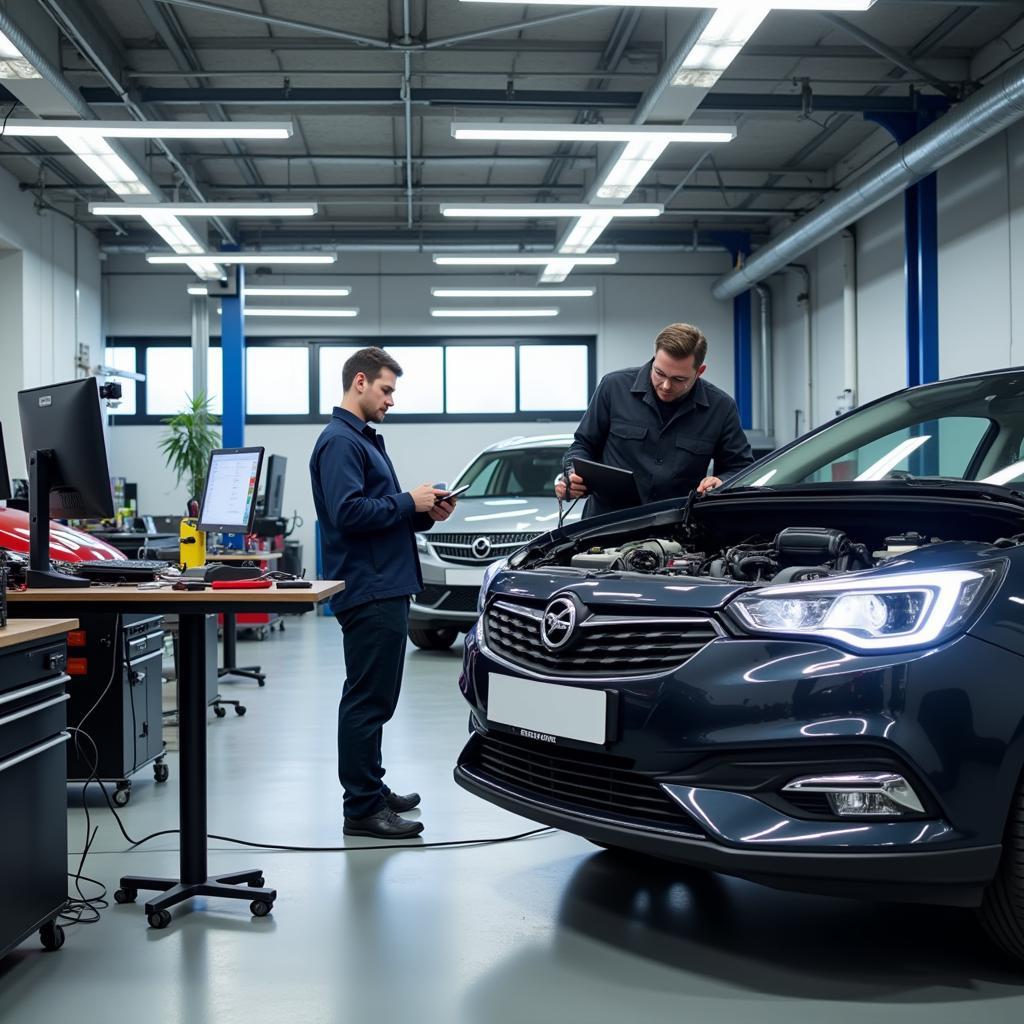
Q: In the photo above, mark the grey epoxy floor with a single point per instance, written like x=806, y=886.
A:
x=544, y=929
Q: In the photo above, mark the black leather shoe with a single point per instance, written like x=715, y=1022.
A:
x=385, y=824
x=400, y=804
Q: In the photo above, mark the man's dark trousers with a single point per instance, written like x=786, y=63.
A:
x=374, y=636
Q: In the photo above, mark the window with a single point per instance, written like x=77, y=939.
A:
x=332, y=359
x=277, y=380
x=480, y=379
x=553, y=378
x=299, y=380
x=123, y=359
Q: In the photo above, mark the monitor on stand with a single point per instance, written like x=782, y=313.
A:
x=273, y=499
x=229, y=497
x=66, y=452
x=5, y=477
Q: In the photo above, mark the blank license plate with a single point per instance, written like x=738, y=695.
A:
x=548, y=709
x=464, y=577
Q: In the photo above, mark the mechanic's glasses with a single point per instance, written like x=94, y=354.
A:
x=662, y=376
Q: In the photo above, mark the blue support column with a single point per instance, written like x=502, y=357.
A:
x=738, y=245
x=232, y=341
x=743, y=370
x=921, y=269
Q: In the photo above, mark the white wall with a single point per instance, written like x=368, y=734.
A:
x=981, y=288
x=41, y=318
x=633, y=302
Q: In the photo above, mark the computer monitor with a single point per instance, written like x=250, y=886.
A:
x=5, y=477
x=229, y=497
x=273, y=499
x=66, y=452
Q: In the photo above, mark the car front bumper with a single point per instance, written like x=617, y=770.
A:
x=717, y=738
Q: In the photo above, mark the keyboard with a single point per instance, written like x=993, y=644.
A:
x=121, y=570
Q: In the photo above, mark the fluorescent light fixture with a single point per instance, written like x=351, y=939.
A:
x=175, y=233
x=283, y=292
x=499, y=313
x=152, y=129
x=13, y=63
x=541, y=210
x=525, y=261
x=585, y=232
x=94, y=151
x=630, y=169
x=781, y=5
x=718, y=45
x=527, y=132
x=205, y=209
x=512, y=293
x=263, y=259
x=268, y=311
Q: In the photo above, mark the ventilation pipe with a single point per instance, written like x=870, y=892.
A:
x=982, y=115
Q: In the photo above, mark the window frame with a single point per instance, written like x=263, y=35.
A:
x=314, y=345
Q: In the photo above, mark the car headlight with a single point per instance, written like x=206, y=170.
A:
x=421, y=544
x=872, y=614
x=489, y=573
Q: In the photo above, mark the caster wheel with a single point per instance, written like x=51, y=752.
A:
x=219, y=711
x=122, y=795
x=161, y=772
x=258, y=883
x=51, y=935
x=159, y=919
x=239, y=709
x=262, y=681
x=281, y=627
x=125, y=895
x=260, y=908
x=261, y=636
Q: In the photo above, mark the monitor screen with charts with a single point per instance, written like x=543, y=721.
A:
x=612, y=484
x=229, y=498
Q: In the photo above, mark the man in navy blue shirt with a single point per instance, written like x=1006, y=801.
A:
x=367, y=528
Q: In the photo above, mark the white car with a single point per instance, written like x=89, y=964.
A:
x=510, y=501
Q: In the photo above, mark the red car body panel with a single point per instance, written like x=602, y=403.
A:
x=66, y=543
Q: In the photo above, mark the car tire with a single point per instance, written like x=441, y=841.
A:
x=1002, y=908
x=433, y=639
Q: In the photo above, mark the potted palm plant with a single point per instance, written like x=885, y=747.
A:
x=190, y=438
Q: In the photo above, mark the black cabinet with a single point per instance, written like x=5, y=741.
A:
x=33, y=790
x=116, y=698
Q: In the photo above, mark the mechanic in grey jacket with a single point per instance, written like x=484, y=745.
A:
x=662, y=422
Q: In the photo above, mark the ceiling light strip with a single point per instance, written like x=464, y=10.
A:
x=205, y=209
x=542, y=210
x=528, y=132
x=512, y=293
x=268, y=311
x=472, y=314
x=260, y=258
x=151, y=129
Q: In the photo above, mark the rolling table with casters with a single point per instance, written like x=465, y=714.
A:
x=191, y=607
x=33, y=780
x=231, y=666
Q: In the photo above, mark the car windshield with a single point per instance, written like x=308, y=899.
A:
x=519, y=473
x=965, y=429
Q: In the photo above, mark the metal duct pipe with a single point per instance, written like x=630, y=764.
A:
x=764, y=293
x=986, y=113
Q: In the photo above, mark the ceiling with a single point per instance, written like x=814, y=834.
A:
x=797, y=94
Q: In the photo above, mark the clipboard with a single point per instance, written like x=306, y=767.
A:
x=612, y=484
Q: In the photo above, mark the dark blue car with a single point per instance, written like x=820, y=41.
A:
x=812, y=677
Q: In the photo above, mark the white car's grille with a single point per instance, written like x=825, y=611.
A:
x=477, y=548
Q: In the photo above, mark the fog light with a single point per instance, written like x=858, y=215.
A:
x=862, y=794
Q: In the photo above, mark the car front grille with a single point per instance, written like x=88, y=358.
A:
x=594, y=783
x=605, y=645
x=448, y=599
x=458, y=547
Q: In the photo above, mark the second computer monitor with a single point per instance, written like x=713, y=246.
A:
x=229, y=497
x=273, y=501
x=5, y=476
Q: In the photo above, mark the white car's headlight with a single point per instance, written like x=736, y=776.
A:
x=871, y=614
x=489, y=573
x=421, y=544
